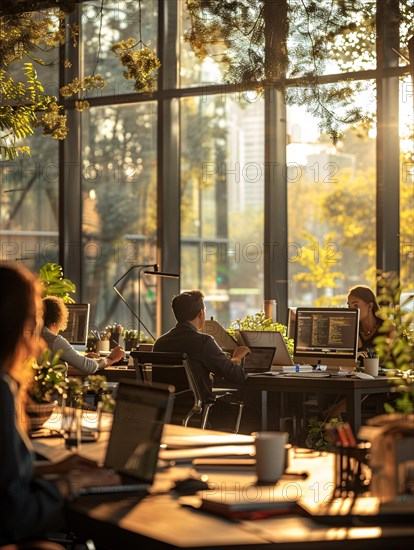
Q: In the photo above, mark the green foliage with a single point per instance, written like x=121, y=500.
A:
x=395, y=344
x=302, y=42
x=49, y=378
x=317, y=437
x=25, y=104
x=97, y=383
x=259, y=321
x=140, y=64
x=51, y=277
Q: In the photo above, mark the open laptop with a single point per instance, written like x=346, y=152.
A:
x=269, y=339
x=134, y=443
x=259, y=360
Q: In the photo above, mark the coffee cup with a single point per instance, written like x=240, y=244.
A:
x=102, y=345
x=371, y=365
x=270, y=455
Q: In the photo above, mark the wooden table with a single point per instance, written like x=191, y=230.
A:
x=353, y=389
x=161, y=522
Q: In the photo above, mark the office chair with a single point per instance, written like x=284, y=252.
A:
x=175, y=368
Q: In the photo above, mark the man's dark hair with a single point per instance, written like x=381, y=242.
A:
x=187, y=305
x=55, y=310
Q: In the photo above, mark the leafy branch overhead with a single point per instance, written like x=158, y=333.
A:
x=261, y=44
x=33, y=39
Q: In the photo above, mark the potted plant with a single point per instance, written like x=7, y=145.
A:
x=131, y=339
x=54, y=284
x=395, y=344
x=49, y=381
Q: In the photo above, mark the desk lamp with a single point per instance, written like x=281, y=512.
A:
x=140, y=267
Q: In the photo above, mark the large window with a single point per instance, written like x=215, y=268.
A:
x=107, y=23
x=119, y=209
x=332, y=211
x=180, y=177
x=29, y=205
x=222, y=190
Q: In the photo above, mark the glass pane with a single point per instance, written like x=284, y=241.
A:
x=104, y=24
x=331, y=209
x=406, y=188
x=222, y=183
x=310, y=25
x=119, y=212
x=193, y=71
x=29, y=210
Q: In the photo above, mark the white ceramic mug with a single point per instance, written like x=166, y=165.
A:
x=102, y=345
x=371, y=365
x=270, y=455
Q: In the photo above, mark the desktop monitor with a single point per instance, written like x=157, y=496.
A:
x=76, y=333
x=328, y=336
x=291, y=322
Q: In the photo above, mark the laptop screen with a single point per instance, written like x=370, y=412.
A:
x=140, y=414
x=76, y=333
x=268, y=339
x=259, y=359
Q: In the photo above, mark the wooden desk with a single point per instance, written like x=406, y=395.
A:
x=160, y=522
x=352, y=388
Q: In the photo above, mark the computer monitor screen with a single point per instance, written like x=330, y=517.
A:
x=328, y=336
x=76, y=333
x=291, y=322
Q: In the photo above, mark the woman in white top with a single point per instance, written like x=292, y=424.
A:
x=55, y=319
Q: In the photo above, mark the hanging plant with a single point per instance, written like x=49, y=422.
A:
x=140, y=63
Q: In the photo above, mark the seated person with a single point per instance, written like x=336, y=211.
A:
x=363, y=298
x=30, y=505
x=55, y=320
x=206, y=357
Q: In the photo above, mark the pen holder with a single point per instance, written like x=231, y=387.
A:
x=114, y=342
x=352, y=474
x=91, y=344
x=131, y=344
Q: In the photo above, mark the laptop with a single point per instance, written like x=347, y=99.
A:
x=259, y=360
x=270, y=339
x=134, y=443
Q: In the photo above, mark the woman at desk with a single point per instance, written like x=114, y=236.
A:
x=363, y=298
x=55, y=320
x=30, y=505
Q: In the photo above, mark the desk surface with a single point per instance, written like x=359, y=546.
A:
x=159, y=521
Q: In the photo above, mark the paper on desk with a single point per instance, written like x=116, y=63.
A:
x=183, y=442
x=187, y=454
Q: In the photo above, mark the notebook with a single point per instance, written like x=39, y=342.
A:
x=269, y=339
x=259, y=359
x=134, y=443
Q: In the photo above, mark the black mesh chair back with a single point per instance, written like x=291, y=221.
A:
x=175, y=369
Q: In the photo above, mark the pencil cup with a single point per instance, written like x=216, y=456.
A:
x=270, y=455
x=102, y=345
x=371, y=365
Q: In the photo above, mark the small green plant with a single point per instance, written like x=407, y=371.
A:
x=318, y=438
x=93, y=383
x=49, y=378
x=97, y=384
x=54, y=284
x=259, y=321
x=395, y=344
